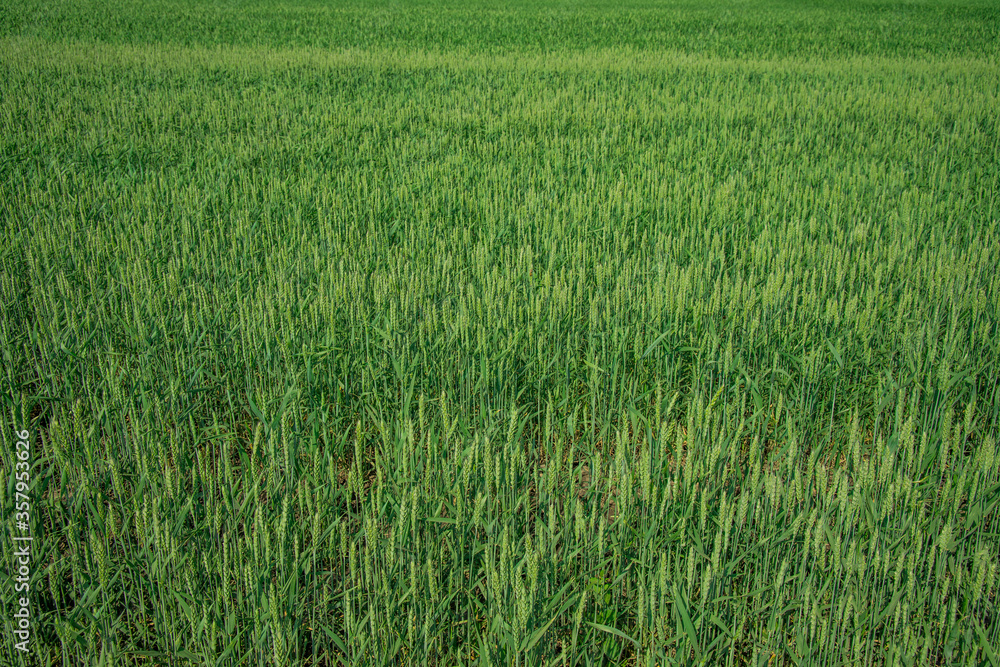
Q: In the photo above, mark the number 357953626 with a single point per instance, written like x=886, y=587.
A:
x=22, y=475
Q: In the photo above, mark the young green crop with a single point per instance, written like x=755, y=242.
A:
x=442, y=334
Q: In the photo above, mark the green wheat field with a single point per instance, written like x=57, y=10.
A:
x=429, y=332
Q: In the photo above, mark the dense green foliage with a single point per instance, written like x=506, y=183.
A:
x=729, y=28
x=450, y=333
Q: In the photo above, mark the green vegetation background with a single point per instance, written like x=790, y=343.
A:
x=732, y=29
x=447, y=333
